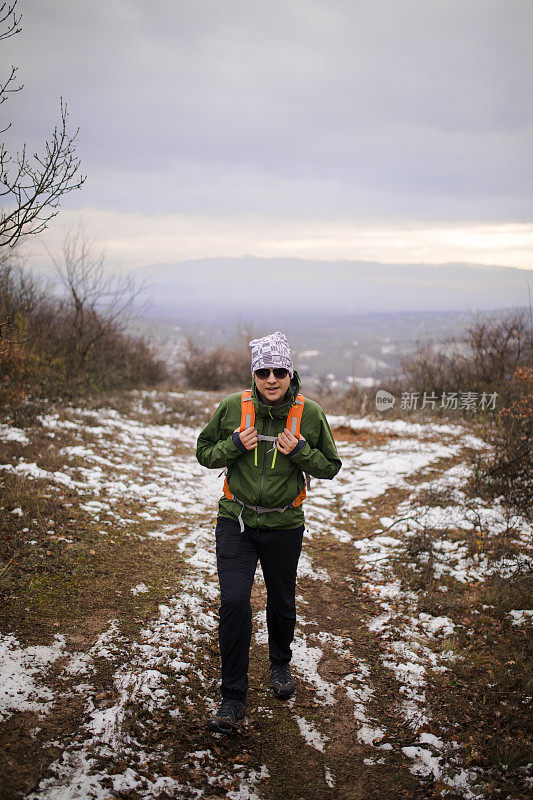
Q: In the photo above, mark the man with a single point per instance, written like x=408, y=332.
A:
x=260, y=514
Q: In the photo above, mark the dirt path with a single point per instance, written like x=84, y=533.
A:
x=405, y=650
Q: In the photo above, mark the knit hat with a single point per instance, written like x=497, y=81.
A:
x=271, y=351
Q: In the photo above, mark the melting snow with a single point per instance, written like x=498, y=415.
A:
x=22, y=670
x=520, y=616
x=12, y=434
x=154, y=466
x=311, y=735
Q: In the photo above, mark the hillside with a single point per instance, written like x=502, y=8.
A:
x=264, y=287
x=412, y=649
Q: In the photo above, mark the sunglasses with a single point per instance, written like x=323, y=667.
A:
x=279, y=372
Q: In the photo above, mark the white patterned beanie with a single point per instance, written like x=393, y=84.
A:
x=271, y=351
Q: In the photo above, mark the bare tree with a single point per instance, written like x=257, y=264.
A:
x=213, y=368
x=484, y=358
x=98, y=301
x=499, y=345
x=31, y=185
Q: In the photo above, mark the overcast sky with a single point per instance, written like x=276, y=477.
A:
x=394, y=131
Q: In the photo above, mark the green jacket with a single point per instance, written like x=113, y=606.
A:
x=269, y=485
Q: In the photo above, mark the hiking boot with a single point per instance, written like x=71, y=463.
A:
x=282, y=682
x=228, y=716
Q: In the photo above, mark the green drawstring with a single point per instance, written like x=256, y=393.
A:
x=255, y=456
x=275, y=448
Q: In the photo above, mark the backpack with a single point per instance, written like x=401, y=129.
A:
x=294, y=419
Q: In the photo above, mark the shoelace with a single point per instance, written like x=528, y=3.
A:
x=229, y=708
x=281, y=673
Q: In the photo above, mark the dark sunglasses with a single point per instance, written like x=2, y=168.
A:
x=279, y=372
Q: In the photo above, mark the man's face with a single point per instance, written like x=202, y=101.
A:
x=272, y=389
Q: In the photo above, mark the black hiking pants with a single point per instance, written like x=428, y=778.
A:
x=237, y=554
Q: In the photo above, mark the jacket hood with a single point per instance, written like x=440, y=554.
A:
x=281, y=411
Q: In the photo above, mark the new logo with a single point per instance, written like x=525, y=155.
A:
x=384, y=400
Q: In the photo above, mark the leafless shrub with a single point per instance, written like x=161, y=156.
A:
x=96, y=302
x=506, y=469
x=184, y=408
x=40, y=355
x=219, y=367
x=358, y=400
x=435, y=496
x=484, y=359
x=420, y=546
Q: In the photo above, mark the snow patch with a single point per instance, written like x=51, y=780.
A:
x=22, y=671
x=311, y=734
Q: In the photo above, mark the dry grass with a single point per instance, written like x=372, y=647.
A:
x=47, y=585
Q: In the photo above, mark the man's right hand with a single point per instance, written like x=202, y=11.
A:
x=248, y=437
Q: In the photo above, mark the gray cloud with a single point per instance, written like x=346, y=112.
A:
x=304, y=107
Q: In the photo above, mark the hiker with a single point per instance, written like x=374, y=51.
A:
x=256, y=436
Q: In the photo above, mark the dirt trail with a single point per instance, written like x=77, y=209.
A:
x=115, y=669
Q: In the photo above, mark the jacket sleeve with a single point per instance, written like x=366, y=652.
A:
x=215, y=446
x=323, y=460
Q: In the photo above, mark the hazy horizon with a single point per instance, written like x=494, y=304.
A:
x=267, y=286
x=396, y=132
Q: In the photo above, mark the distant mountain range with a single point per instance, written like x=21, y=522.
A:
x=265, y=286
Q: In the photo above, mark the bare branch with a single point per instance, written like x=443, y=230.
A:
x=6, y=324
x=32, y=187
x=35, y=186
x=99, y=300
x=8, y=15
x=7, y=88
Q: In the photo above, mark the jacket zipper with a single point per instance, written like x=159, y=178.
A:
x=263, y=473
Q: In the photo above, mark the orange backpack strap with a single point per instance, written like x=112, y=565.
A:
x=294, y=417
x=301, y=497
x=226, y=489
x=247, y=410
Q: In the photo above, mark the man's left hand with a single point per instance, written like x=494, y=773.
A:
x=287, y=442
